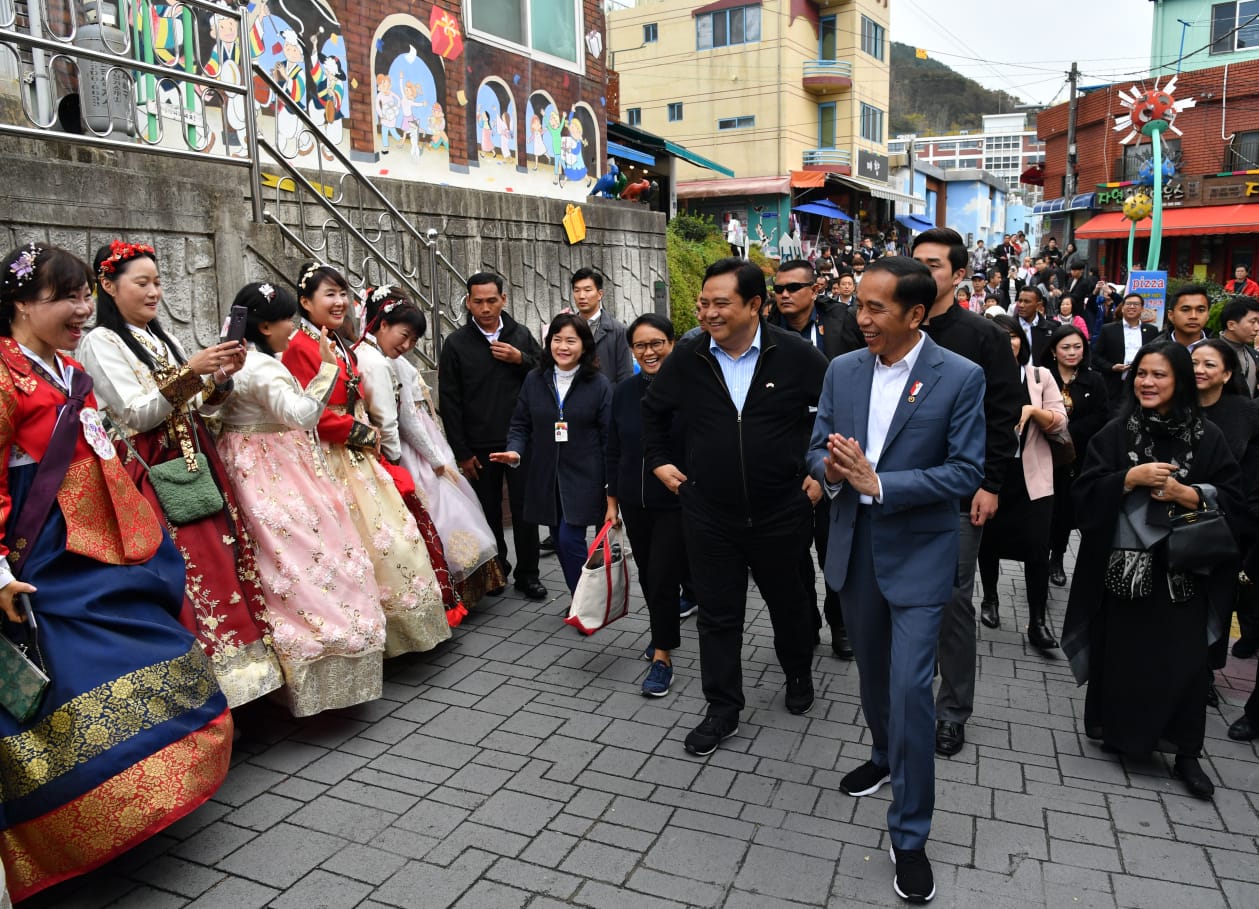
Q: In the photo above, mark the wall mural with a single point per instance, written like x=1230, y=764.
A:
x=513, y=137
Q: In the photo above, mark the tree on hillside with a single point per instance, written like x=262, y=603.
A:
x=930, y=98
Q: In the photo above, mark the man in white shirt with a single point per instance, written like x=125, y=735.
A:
x=899, y=439
x=1118, y=342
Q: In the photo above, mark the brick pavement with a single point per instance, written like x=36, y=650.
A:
x=518, y=766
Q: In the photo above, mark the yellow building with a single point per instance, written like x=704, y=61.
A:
x=791, y=95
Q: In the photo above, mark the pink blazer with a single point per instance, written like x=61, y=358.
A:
x=1038, y=460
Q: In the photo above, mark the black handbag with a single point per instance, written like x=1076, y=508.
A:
x=1200, y=539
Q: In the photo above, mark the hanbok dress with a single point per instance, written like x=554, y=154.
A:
x=323, y=603
x=132, y=733
x=409, y=591
x=451, y=502
x=159, y=411
x=381, y=384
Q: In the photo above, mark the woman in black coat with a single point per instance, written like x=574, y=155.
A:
x=1136, y=631
x=1084, y=395
x=562, y=418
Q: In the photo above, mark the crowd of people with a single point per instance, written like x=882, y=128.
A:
x=276, y=516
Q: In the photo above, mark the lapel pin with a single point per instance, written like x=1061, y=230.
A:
x=913, y=391
x=769, y=384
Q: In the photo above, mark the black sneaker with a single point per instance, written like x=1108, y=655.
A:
x=865, y=780
x=704, y=738
x=913, y=880
x=547, y=545
x=799, y=695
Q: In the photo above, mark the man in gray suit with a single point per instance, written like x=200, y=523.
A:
x=610, y=343
x=899, y=439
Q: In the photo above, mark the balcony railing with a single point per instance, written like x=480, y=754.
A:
x=827, y=157
x=828, y=68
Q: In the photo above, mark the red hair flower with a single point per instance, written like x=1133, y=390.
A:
x=123, y=252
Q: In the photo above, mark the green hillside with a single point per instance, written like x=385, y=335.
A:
x=929, y=98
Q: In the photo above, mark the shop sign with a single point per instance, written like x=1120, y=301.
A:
x=1151, y=286
x=1241, y=188
x=872, y=166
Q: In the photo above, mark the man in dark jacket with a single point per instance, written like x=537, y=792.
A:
x=980, y=341
x=610, y=345
x=483, y=366
x=832, y=328
x=746, y=390
x=1117, y=343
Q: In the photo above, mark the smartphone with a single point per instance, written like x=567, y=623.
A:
x=24, y=603
x=234, y=325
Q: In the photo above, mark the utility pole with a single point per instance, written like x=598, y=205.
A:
x=1068, y=189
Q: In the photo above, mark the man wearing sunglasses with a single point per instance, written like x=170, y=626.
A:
x=832, y=328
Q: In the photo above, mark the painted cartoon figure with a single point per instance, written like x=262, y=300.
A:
x=555, y=127
x=437, y=128
x=226, y=63
x=388, y=107
x=537, y=144
x=291, y=74
x=574, y=146
x=487, y=134
x=412, y=102
x=506, y=141
x=330, y=89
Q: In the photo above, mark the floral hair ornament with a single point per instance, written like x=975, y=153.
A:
x=308, y=274
x=23, y=267
x=267, y=291
x=123, y=252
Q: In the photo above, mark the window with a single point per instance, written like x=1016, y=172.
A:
x=736, y=123
x=1234, y=26
x=634, y=116
x=675, y=111
x=1002, y=162
x=872, y=38
x=1135, y=156
x=1243, y=152
x=650, y=33
x=1003, y=143
x=826, y=38
x=871, y=123
x=741, y=25
x=546, y=29
x=826, y=125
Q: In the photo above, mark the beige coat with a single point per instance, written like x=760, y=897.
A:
x=1038, y=460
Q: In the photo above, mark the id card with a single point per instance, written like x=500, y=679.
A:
x=561, y=431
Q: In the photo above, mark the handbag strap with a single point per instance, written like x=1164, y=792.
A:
x=51, y=471
x=601, y=541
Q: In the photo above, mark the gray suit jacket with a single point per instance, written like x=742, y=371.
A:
x=612, y=348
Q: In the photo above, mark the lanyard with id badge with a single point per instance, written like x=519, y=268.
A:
x=561, y=425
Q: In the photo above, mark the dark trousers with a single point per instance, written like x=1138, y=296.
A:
x=489, y=491
x=721, y=552
x=1035, y=575
x=958, y=636
x=570, y=549
x=1064, y=511
x=808, y=576
x=895, y=647
x=659, y=547
x=1244, y=604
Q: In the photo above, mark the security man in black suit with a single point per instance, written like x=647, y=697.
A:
x=1118, y=342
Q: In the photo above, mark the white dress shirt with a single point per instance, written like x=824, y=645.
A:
x=1131, y=341
x=491, y=336
x=886, y=389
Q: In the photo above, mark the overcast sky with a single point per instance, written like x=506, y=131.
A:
x=1026, y=49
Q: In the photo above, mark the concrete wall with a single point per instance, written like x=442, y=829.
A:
x=197, y=215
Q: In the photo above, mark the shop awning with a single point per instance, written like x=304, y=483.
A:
x=806, y=178
x=741, y=186
x=878, y=190
x=916, y=223
x=1049, y=206
x=625, y=153
x=698, y=160
x=1177, y=222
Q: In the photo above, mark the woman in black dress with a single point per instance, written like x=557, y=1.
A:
x=1224, y=401
x=1136, y=632
x=1084, y=396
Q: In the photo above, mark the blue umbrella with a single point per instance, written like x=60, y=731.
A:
x=825, y=208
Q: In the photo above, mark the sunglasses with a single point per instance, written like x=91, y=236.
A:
x=793, y=288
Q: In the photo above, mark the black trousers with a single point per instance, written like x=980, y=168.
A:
x=489, y=491
x=721, y=553
x=808, y=577
x=659, y=547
